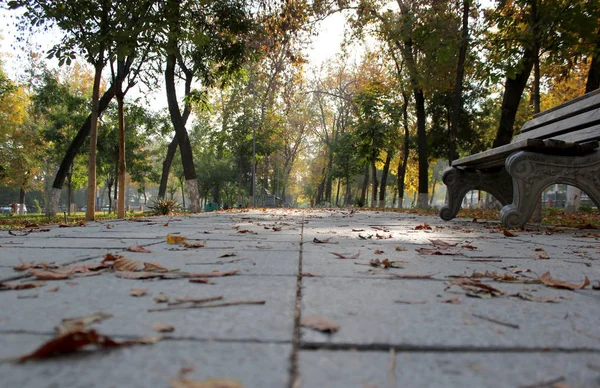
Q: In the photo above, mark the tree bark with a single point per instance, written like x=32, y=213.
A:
x=373, y=183
x=405, y=151
x=460, y=73
x=365, y=185
x=422, y=150
x=72, y=151
x=122, y=163
x=513, y=90
x=384, y=176
x=90, y=212
x=164, y=178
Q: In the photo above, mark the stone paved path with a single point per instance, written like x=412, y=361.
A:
x=395, y=331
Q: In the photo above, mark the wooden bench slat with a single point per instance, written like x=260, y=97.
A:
x=496, y=156
x=569, y=125
x=582, y=135
x=574, y=107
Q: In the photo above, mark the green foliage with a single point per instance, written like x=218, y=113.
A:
x=164, y=207
x=38, y=208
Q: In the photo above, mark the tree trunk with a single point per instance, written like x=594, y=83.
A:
x=363, y=193
x=69, y=192
x=460, y=72
x=121, y=175
x=384, y=176
x=91, y=188
x=374, y=183
x=593, y=79
x=513, y=90
x=164, y=178
x=402, y=163
x=422, y=150
x=22, y=199
x=72, y=151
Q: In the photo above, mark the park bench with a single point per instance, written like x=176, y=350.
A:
x=558, y=146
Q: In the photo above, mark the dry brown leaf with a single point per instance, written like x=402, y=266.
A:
x=199, y=244
x=230, y=254
x=481, y=290
x=68, y=325
x=434, y=252
x=213, y=274
x=154, y=267
x=210, y=383
x=124, y=264
x=163, y=328
x=442, y=243
x=161, y=298
x=425, y=226
x=50, y=274
x=247, y=231
x=109, y=259
x=547, y=280
x=345, y=256
x=470, y=247
x=20, y=286
x=25, y=265
x=378, y=252
x=310, y=275
x=171, y=239
x=109, y=226
x=410, y=276
x=139, y=249
x=321, y=241
x=138, y=291
x=202, y=281
x=84, y=268
x=69, y=343
x=401, y=249
x=321, y=324
x=454, y=300
x=508, y=233
x=147, y=275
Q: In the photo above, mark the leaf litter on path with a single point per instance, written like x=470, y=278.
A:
x=319, y=323
x=547, y=280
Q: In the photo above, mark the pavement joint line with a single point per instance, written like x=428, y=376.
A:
x=294, y=375
x=407, y=348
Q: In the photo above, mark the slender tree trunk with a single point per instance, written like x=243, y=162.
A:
x=384, y=176
x=458, y=85
x=177, y=119
x=69, y=192
x=348, y=200
x=402, y=163
x=337, y=194
x=374, y=183
x=22, y=198
x=122, y=163
x=363, y=193
x=422, y=150
x=164, y=178
x=91, y=188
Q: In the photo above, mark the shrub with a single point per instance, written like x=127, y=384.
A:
x=164, y=207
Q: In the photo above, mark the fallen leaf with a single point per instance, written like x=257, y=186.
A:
x=214, y=274
x=358, y=230
x=481, y=290
x=401, y=249
x=231, y=254
x=147, y=275
x=210, y=383
x=20, y=286
x=410, y=276
x=201, y=280
x=247, y=231
x=470, y=247
x=322, y=241
x=542, y=255
x=53, y=289
x=547, y=280
x=50, y=274
x=597, y=286
x=163, y=328
x=378, y=252
x=124, y=264
x=508, y=233
x=442, y=244
x=360, y=236
x=109, y=226
x=25, y=265
x=68, y=325
x=161, y=298
x=138, y=291
x=199, y=244
x=171, y=239
x=531, y=298
x=321, y=324
x=425, y=226
x=434, y=252
x=310, y=275
x=139, y=249
x=454, y=300
x=345, y=256
x=155, y=267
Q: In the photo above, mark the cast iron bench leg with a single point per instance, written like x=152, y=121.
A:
x=533, y=172
x=459, y=182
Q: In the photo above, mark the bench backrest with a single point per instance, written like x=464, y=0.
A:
x=575, y=121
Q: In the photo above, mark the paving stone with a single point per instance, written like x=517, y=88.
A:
x=148, y=365
x=349, y=369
